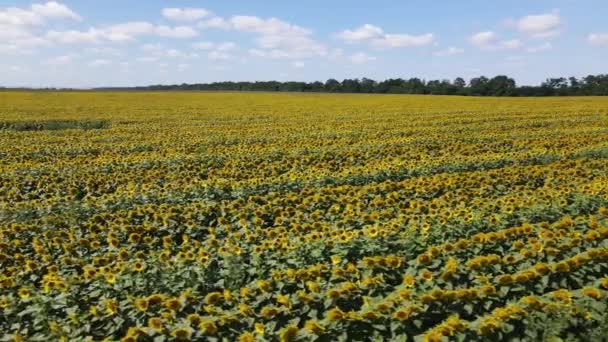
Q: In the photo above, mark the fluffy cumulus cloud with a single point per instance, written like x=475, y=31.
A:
x=215, y=23
x=377, y=37
x=36, y=14
x=54, y=9
x=185, y=14
x=598, y=39
x=223, y=46
x=489, y=40
x=279, y=39
x=120, y=33
x=19, y=26
x=541, y=25
x=363, y=33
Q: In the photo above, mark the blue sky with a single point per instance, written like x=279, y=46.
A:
x=90, y=43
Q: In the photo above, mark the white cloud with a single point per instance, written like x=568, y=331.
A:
x=54, y=9
x=281, y=39
x=120, y=33
x=488, y=40
x=158, y=51
x=17, y=24
x=176, y=32
x=103, y=51
x=377, y=37
x=215, y=23
x=19, y=17
x=271, y=26
x=99, y=63
x=540, y=48
x=598, y=39
x=183, y=67
x=185, y=14
x=361, y=58
x=30, y=42
x=450, y=51
x=36, y=14
x=404, y=40
x=224, y=46
x=483, y=39
x=74, y=37
x=298, y=64
x=364, y=32
x=541, y=25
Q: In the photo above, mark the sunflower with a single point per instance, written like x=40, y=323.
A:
x=134, y=237
x=562, y=295
x=182, y=334
x=139, y=266
x=333, y=294
x=427, y=275
x=409, y=280
x=423, y=258
x=24, y=293
x=314, y=327
x=488, y=326
x=592, y=292
x=336, y=259
x=288, y=333
x=284, y=300
x=246, y=337
x=213, y=298
x=156, y=298
x=263, y=285
x=604, y=282
x=259, y=329
x=141, y=304
x=402, y=314
x=173, y=304
x=208, y=327
x=335, y=314
x=111, y=306
x=269, y=312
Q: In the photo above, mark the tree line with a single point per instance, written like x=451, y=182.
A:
x=479, y=86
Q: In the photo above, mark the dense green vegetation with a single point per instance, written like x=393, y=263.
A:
x=480, y=86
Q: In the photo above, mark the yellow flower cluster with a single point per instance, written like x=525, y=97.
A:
x=295, y=217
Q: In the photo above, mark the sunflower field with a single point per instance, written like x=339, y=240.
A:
x=134, y=216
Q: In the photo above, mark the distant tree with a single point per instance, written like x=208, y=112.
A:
x=351, y=86
x=501, y=86
x=332, y=86
x=479, y=85
x=367, y=85
x=459, y=82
